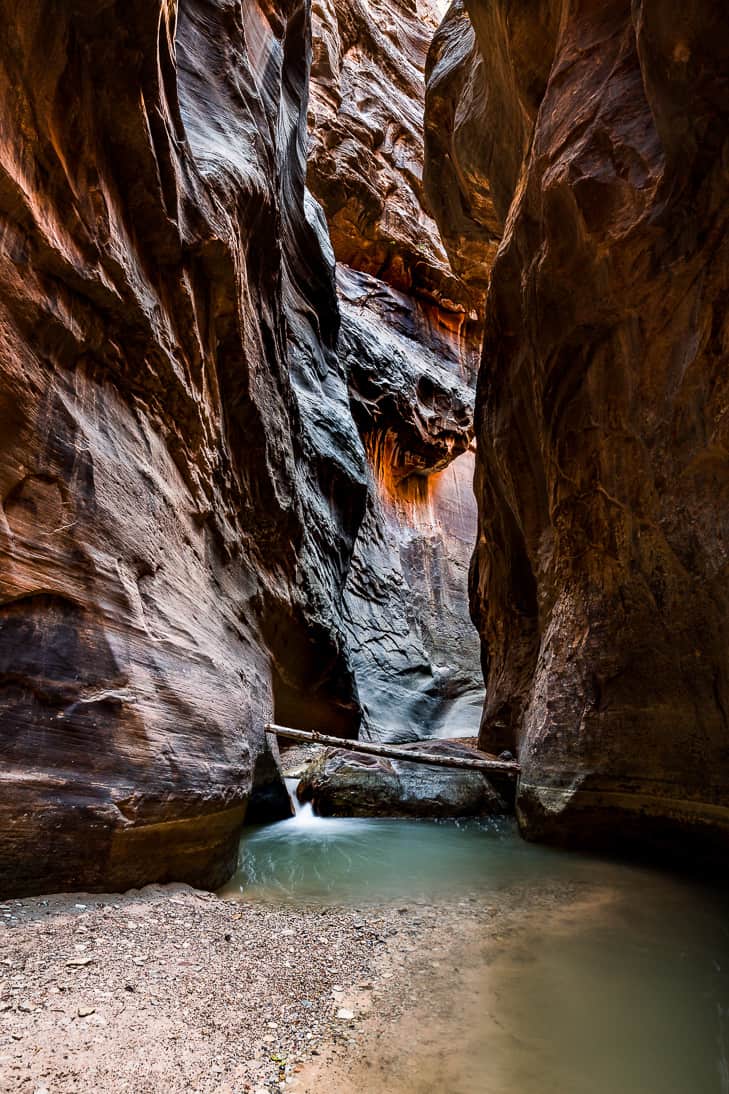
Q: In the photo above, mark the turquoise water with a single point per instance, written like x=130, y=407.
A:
x=622, y=988
x=351, y=860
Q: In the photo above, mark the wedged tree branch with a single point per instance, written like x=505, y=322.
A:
x=393, y=752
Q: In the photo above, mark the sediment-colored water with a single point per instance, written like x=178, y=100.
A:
x=614, y=978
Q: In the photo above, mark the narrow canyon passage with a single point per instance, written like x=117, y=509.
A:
x=409, y=341
x=363, y=370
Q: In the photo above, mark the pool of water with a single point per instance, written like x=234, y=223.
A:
x=621, y=987
x=350, y=860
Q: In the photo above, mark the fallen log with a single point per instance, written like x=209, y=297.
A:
x=393, y=752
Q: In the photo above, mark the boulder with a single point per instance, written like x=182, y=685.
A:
x=351, y=784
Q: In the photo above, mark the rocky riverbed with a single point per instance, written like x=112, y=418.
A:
x=522, y=988
x=169, y=988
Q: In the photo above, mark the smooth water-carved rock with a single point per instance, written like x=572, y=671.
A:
x=181, y=478
x=600, y=577
x=459, y=109
x=414, y=649
x=366, y=142
x=408, y=342
x=349, y=784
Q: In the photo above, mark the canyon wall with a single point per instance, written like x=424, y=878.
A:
x=408, y=343
x=236, y=484
x=586, y=148
x=181, y=477
x=217, y=506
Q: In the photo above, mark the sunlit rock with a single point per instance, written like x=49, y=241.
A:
x=182, y=480
x=408, y=343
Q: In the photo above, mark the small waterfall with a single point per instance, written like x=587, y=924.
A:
x=304, y=815
x=291, y=785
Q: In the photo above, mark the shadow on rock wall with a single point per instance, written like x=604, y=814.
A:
x=600, y=135
x=408, y=342
x=181, y=478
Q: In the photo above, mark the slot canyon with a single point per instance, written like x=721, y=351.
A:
x=363, y=370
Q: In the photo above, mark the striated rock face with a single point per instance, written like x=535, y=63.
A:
x=459, y=109
x=180, y=475
x=408, y=344
x=366, y=141
x=413, y=647
x=599, y=582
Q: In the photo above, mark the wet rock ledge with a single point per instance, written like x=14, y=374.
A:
x=340, y=783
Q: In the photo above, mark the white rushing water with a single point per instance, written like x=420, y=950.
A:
x=304, y=815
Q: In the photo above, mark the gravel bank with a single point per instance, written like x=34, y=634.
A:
x=170, y=989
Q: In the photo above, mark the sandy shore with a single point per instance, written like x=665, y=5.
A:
x=169, y=989
x=452, y=1027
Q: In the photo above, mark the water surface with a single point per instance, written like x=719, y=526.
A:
x=618, y=985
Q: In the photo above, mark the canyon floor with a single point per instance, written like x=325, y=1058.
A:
x=584, y=976
x=172, y=989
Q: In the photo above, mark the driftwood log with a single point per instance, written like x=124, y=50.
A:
x=393, y=752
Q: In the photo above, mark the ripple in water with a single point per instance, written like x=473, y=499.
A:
x=349, y=860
